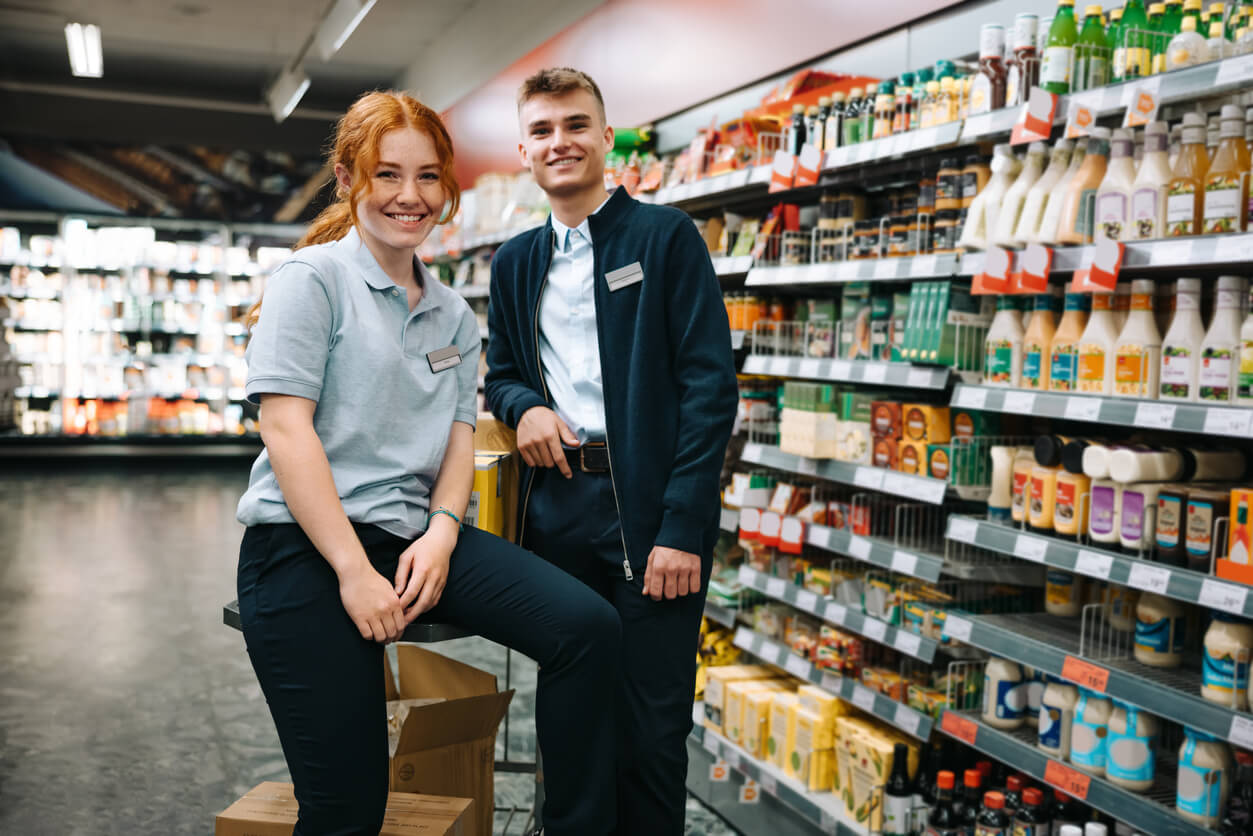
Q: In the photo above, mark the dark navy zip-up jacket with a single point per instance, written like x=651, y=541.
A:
x=666, y=366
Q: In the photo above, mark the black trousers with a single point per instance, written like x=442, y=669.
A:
x=324, y=683
x=575, y=525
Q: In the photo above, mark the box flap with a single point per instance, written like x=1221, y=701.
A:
x=424, y=673
x=455, y=721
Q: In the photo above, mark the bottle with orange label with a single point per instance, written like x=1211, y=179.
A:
x=1138, y=352
x=1037, y=343
x=1097, y=348
x=1042, y=504
x=1064, y=356
x=1024, y=463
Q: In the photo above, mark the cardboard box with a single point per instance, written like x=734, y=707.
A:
x=737, y=694
x=495, y=497
x=716, y=682
x=269, y=809
x=447, y=748
x=911, y=457
x=923, y=422
x=780, y=731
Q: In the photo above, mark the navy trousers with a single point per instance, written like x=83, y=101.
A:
x=574, y=524
x=324, y=683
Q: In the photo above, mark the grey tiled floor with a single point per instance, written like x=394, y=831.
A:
x=126, y=707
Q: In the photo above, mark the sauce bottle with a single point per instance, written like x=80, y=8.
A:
x=850, y=123
x=973, y=779
x=1139, y=348
x=795, y=136
x=1204, y=780
x=1015, y=197
x=1132, y=763
x=1059, y=51
x=1172, y=509
x=1227, y=178
x=1205, y=507
x=897, y=795
x=1148, y=193
x=1220, y=350
x=1181, y=357
x=833, y=130
x=814, y=126
x=1001, y=495
x=1071, y=505
x=1051, y=219
x=1244, y=380
x=1159, y=633
x=904, y=99
x=1092, y=53
x=1098, y=348
x=1104, y=518
x=1228, y=649
x=1037, y=343
x=1048, y=457
x=1088, y=732
x=1057, y=714
x=975, y=176
x=1003, y=346
x=1003, y=696
x=1133, y=54
x=1023, y=71
x=884, y=112
x=1063, y=372
x=993, y=820
x=942, y=819
x=987, y=91
x=1033, y=206
x=1063, y=593
x=1185, y=193
x=1078, y=210
x=1134, y=534
x=1032, y=819
x=1113, y=197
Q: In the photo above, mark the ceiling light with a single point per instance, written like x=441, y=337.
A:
x=286, y=91
x=339, y=24
x=83, y=43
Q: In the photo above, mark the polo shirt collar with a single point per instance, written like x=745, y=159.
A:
x=359, y=255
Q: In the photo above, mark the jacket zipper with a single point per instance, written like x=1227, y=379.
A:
x=539, y=300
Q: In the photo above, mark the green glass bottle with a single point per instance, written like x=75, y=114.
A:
x=1111, y=28
x=1059, y=50
x=1091, y=53
x=1192, y=9
x=1167, y=28
x=1133, y=54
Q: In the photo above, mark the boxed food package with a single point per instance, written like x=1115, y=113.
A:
x=924, y=422
x=896, y=334
x=446, y=747
x=885, y=419
x=855, y=332
x=870, y=765
x=733, y=714
x=821, y=702
x=1238, y=564
x=911, y=457
x=811, y=754
x=781, y=729
x=967, y=424
x=853, y=442
x=716, y=682
x=269, y=809
x=886, y=453
x=938, y=463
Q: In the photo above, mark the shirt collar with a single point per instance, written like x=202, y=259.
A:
x=361, y=258
x=584, y=229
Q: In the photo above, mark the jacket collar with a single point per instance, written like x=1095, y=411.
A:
x=602, y=220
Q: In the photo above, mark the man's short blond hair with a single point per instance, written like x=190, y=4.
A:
x=557, y=81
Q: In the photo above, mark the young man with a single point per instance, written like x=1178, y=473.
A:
x=611, y=355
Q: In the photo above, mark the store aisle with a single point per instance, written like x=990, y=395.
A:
x=126, y=707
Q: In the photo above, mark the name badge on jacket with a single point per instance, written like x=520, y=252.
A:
x=444, y=358
x=625, y=276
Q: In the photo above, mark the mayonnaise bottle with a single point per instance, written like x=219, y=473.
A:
x=1057, y=714
x=1001, y=497
x=1228, y=648
x=1089, y=732
x=1063, y=593
x=1204, y=782
x=1181, y=354
x=1160, y=631
x=1003, y=696
x=1137, y=522
x=1131, y=763
x=1038, y=195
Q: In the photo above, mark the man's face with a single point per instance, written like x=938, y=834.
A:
x=564, y=142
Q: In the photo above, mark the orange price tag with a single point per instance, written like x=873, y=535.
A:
x=1070, y=781
x=1036, y=262
x=959, y=727
x=995, y=276
x=1035, y=122
x=1079, y=120
x=1142, y=108
x=782, y=172
x=808, y=167
x=1090, y=676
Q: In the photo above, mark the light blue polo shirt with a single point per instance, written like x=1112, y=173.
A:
x=336, y=330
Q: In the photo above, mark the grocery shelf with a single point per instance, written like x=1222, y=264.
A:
x=920, y=488
x=911, y=142
x=1152, y=812
x=1052, y=644
x=33, y=391
x=780, y=589
x=1194, y=252
x=10, y=292
x=1224, y=420
x=16, y=445
x=914, y=723
x=474, y=291
x=729, y=520
x=934, y=266
x=723, y=183
x=723, y=615
x=783, y=798
x=896, y=375
x=1091, y=561
x=732, y=265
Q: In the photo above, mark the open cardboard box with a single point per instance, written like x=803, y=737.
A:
x=269, y=809
x=495, y=496
x=447, y=748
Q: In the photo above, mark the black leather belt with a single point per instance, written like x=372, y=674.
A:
x=592, y=457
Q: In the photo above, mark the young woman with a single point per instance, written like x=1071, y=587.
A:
x=366, y=370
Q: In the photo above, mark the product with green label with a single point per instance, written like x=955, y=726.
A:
x=1059, y=50
x=1092, y=53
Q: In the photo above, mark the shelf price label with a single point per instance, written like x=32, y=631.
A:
x=1094, y=565
x=957, y=628
x=711, y=743
x=782, y=171
x=859, y=547
x=868, y=477
x=1035, y=121
x=1090, y=676
x=875, y=373
x=918, y=378
x=1149, y=578
x=906, y=719
x=1083, y=409
x=750, y=793
x=768, y=782
x=775, y=587
x=962, y=530
x=1241, y=732
x=863, y=698
x=798, y=667
x=904, y=562
x=1223, y=596
x=1019, y=403
x=1030, y=548
x=806, y=600
x=810, y=367
x=959, y=727
x=1070, y=781
x=875, y=629
x=835, y=613
x=994, y=278
x=1157, y=416
x=1228, y=421
x=972, y=397
x=907, y=642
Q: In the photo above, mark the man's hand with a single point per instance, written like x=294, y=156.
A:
x=671, y=573
x=540, y=436
x=423, y=571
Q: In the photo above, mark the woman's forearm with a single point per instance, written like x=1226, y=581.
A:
x=456, y=477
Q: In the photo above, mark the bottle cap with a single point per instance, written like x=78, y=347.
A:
x=1072, y=455
x=994, y=801
x=1013, y=783
x=972, y=777
x=1089, y=11
x=1098, y=133
x=1188, y=24
x=1048, y=450
x=1193, y=119
x=1156, y=128
x=1032, y=797
x=836, y=98
x=1157, y=9
x=1095, y=828
x=984, y=767
x=944, y=780
x=798, y=108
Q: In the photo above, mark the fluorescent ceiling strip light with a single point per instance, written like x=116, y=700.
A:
x=339, y=24
x=285, y=93
x=83, y=43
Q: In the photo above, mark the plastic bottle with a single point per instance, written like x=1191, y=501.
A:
x=1024, y=463
x=1023, y=71
x=1244, y=378
x=1204, y=507
x=1133, y=55
x=1181, y=356
x=1188, y=48
x=1139, y=348
x=1057, y=714
x=1148, y=193
x=1059, y=51
x=1204, y=780
x=1159, y=631
x=999, y=499
x=970, y=799
x=983, y=212
x=1088, y=732
x=1071, y=505
x=1138, y=464
x=1185, y=193
x=1037, y=343
x=903, y=97
x=1032, y=819
x=1105, y=517
x=993, y=820
x=1095, y=828
x=1172, y=502
x=1098, y=348
x=1063, y=593
x=925, y=789
x=884, y=112
x=1113, y=197
x=1221, y=348
x=850, y=124
x=1131, y=762
x=1079, y=211
x=987, y=91
x=833, y=127
x=1228, y=649
x=1016, y=196
x=1137, y=520
x=1050, y=221
x=897, y=795
x=1003, y=696
x=794, y=137
x=1227, y=178
x=942, y=820
x=1063, y=371
x=1004, y=345
x=1067, y=813
x=1037, y=196
x=1122, y=303
x=1035, y=683
x=1092, y=53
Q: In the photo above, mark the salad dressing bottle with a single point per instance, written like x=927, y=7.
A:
x=1037, y=344
x=1113, y=198
x=1002, y=364
x=1227, y=179
x=1220, y=350
x=1181, y=357
x=1139, y=348
x=1185, y=193
x=1098, y=348
x=1148, y=193
x=1015, y=197
x=1063, y=372
x=1033, y=207
x=1050, y=224
x=1078, y=209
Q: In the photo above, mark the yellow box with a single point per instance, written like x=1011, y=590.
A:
x=755, y=730
x=811, y=757
x=781, y=729
x=716, y=681
x=495, y=491
x=870, y=763
x=733, y=715
x=813, y=698
x=926, y=423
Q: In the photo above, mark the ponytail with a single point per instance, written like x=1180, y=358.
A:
x=331, y=224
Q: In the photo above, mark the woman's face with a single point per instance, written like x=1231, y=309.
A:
x=405, y=197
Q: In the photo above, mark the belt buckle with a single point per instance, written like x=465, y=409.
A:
x=583, y=459
x=583, y=465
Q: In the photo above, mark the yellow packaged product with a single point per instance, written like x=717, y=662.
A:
x=811, y=757
x=716, y=681
x=755, y=731
x=923, y=422
x=815, y=699
x=781, y=729
x=847, y=732
x=870, y=766
x=733, y=709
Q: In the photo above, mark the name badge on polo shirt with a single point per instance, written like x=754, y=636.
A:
x=444, y=358
x=625, y=276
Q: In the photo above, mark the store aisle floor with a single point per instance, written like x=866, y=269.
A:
x=126, y=707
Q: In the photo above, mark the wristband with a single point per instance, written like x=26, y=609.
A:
x=446, y=513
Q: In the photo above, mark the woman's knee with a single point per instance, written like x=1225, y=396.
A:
x=593, y=624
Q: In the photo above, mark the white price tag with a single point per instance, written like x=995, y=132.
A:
x=875, y=373
x=933, y=491
x=957, y=628
x=1223, y=596
x=836, y=613
x=747, y=575
x=711, y=743
x=732, y=758
x=775, y=587
x=904, y=563
x=1228, y=421
x=863, y=698
x=978, y=125
x=1157, y=416
x=778, y=365
x=875, y=629
x=761, y=174
x=972, y=397
x=819, y=536
x=907, y=719
x=1019, y=403
x=1241, y=732
x=809, y=367
x=1235, y=70
x=1030, y=548
x=918, y=378
x=1093, y=565
x=899, y=484
x=1171, y=253
x=1149, y=578
x=770, y=651
x=806, y=600
x=807, y=466
x=737, y=340
x=924, y=266
x=1234, y=248
x=797, y=666
x=841, y=370
x=962, y=530
x=739, y=179
x=907, y=642
x=752, y=453
x=868, y=477
x=828, y=822
x=769, y=783
x=859, y=547
x=885, y=269
x=1083, y=409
